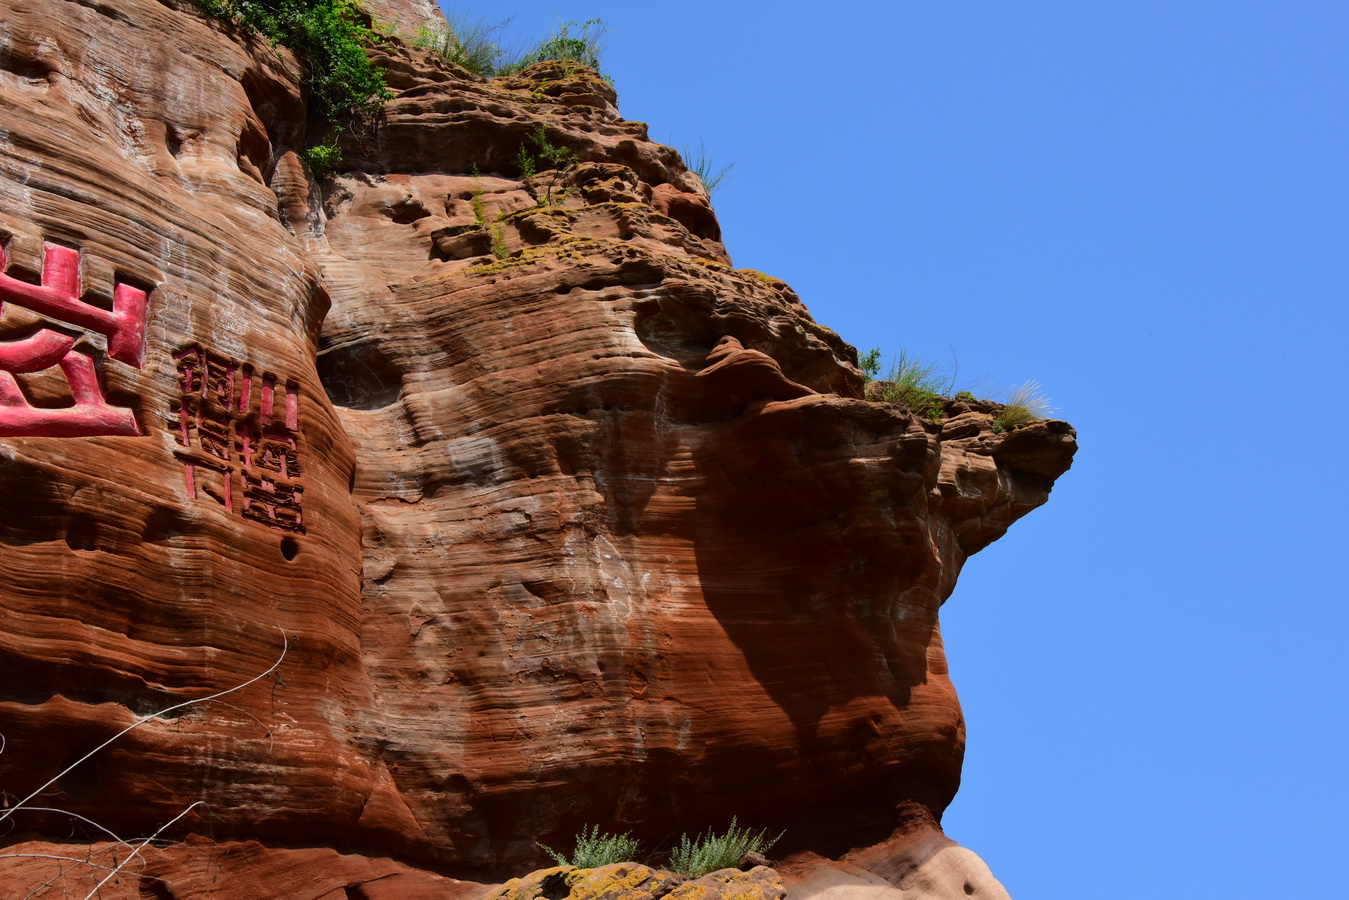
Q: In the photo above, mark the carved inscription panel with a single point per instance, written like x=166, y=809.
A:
x=237, y=432
x=59, y=297
x=236, y=429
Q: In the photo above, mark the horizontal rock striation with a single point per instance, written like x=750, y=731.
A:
x=557, y=517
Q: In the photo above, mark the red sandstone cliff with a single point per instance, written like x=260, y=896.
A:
x=599, y=532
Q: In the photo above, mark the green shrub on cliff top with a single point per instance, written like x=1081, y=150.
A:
x=870, y=363
x=595, y=849
x=330, y=37
x=581, y=47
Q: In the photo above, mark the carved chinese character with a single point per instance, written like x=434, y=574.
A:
x=231, y=450
x=58, y=296
x=273, y=503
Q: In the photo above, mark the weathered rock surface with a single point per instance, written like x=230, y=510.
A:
x=601, y=530
x=631, y=881
x=918, y=862
x=204, y=868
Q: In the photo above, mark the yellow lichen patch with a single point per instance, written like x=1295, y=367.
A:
x=731, y=884
x=775, y=283
x=617, y=881
x=712, y=264
x=566, y=247
x=625, y=880
x=544, y=211
x=545, y=882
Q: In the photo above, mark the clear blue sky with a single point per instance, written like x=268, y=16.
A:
x=1145, y=207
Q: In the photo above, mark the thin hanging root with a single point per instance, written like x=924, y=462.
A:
x=141, y=721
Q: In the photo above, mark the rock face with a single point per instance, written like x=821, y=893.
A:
x=630, y=881
x=558, y=518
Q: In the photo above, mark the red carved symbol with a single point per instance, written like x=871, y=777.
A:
x=59, y=297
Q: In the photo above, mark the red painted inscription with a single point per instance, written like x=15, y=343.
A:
x=58, y=296
x=244, y=457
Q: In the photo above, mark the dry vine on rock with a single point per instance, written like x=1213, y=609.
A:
x=134, y=846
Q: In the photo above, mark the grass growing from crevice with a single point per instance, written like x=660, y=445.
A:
x=330, y=36
x=917, y=386
x=595, y=848
x=471, y=44
x=1025, y=404
x=702, y=166
x=495, y=229
x=580, y=46
x=710, y=852
x=921, y=387
x=474, y=45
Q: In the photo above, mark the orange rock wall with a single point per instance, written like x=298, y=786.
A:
x=600, y=531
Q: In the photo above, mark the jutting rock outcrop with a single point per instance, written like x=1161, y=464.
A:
x=544, y=514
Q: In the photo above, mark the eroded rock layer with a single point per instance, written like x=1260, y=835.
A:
x=559, y=518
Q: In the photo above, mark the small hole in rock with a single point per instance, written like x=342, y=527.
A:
x=289, y=547
x=969, y=888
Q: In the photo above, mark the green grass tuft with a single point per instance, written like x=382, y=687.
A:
x=916, y=385
x=580, y=47
x=711, y=852
x=471, y=44
x=702, y=166
x=1025, y=404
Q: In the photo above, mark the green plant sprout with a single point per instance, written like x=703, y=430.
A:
x=545, y=157
x=473, y=45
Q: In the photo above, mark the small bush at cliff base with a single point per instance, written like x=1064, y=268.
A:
x=710, y=852
x=597, y=849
